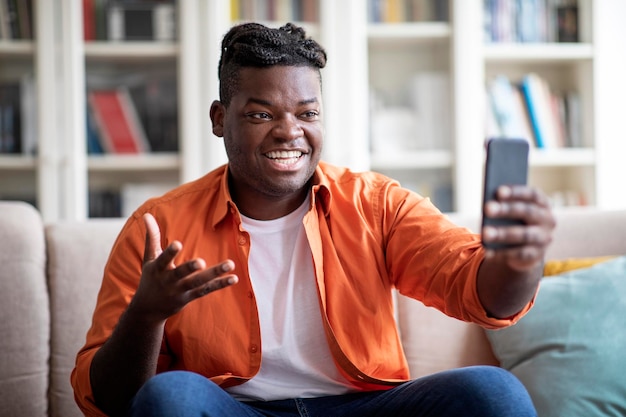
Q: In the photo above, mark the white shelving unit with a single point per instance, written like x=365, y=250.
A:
x=361, y=55
x=590, y=67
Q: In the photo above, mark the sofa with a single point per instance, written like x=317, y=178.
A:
x=51, y=274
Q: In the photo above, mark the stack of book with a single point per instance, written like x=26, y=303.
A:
x=281, y=11
x=18, y=116
x=397, y=11
x=531, y=110
x=133, y=119
x=530, y=20
x=131, y=20
x=16, y=19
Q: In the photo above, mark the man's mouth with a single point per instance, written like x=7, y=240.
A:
x=284, y=157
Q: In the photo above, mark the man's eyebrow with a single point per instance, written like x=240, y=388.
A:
x=259, y=101
x=308, y=101
x=264, y=102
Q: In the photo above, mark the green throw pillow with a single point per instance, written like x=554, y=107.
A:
x=570, y=349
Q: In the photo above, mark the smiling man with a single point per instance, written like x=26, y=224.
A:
x=265, y=287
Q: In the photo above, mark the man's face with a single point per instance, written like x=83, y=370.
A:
x=272, y=131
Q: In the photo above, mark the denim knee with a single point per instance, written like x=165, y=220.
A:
x=168, y=393
x=494, y=390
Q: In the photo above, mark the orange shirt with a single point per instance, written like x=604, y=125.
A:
x=367, y=236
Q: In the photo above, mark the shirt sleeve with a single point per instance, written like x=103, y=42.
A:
x=433, y=260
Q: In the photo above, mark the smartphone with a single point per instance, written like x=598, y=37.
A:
x=506, y=164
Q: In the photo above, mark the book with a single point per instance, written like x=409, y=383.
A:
x=104, y=203
x=118, y=123
x=100, y=12
x=94, y=144
x=10, y=117
x=89, y=20
x=537, y=98
x=309, y=10
x=25, y=18
x=141, y=21
x=29, y=112
x=567, y=23
x=573, y=116
x=156, y=100
x=509, y=110
x=12, y=19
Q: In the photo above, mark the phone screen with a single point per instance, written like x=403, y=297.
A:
x=506, y=164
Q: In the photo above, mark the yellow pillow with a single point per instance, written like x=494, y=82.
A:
x=559, y=266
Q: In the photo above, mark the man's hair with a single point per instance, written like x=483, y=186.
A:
x=255, y=45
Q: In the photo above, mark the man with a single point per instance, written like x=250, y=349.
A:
x=264, y=288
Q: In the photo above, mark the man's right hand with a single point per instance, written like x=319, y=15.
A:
x=165, y=288
x=129, y=357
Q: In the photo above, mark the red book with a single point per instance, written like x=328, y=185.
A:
x=89, y=20
x=117, y=120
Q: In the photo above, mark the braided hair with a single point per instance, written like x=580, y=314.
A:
x=255, y=45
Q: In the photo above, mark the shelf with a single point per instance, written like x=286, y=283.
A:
x=538, y=52
x=130, y=51
x=413, y=30
x=574, y=157
x=383, y=33
x=17, y=48
x=103, y=163
x=415, y=159
x=17, y=162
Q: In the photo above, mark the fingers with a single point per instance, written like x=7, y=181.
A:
x=534, y=235
x=153, y=238
x=203, y=281
x=153, y=251
x=525, y=242
x=523, y=203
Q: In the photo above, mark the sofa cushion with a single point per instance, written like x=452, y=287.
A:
x=25, y=321
x=77, y=252
x=569, y=349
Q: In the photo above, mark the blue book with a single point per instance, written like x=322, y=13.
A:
x=93, y=138
x=533, y=111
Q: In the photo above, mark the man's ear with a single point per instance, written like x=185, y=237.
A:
x=217, y=114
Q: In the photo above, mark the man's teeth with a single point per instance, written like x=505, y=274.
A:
x=284, y=154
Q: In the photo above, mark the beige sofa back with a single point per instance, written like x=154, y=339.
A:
x=24, y=313
x=51, y=274
x=77, y=253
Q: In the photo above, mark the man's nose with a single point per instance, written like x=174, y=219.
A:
x=288, y=128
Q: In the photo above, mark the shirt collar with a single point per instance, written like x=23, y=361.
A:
x=320, y=191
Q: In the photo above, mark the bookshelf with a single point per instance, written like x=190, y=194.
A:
x=370, y=64
x=581, y=175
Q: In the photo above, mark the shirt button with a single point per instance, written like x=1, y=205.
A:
x=249, y=294
x=242, y=240
x=254, y=348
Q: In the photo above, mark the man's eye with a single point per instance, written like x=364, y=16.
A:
x=310, y=114
x=260, y=115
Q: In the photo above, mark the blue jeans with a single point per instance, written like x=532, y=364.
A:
x=483, y=391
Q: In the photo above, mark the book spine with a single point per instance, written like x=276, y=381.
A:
x=25, y=18
x=89, y=20
x=118, y=124
x=164, y=22
x=115, y=23
x=139, y=138
x=533, y=114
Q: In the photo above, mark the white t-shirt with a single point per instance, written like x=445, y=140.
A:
x=296, y=360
